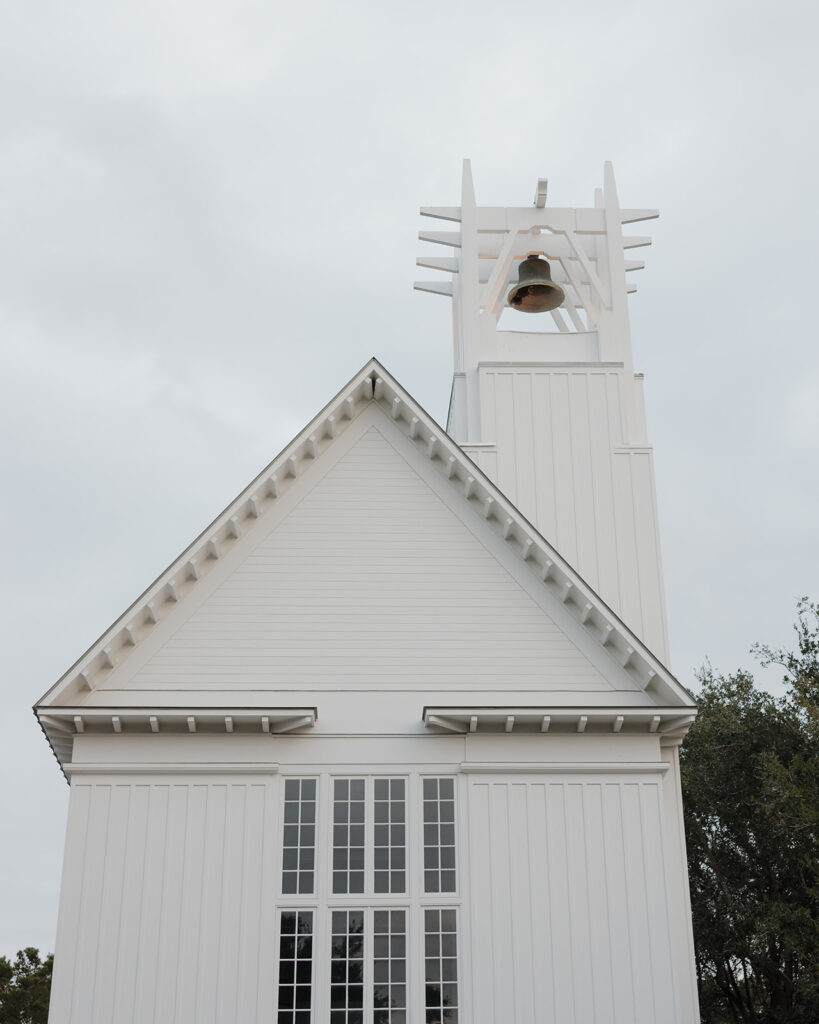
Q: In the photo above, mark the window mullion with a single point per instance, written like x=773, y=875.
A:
x=415, y=924
x=324, y=832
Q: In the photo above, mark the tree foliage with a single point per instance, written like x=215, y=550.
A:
x=25, y=986
x=750, y=776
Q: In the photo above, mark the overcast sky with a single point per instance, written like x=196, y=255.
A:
x=208, y=217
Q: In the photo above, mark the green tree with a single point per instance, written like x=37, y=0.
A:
x=24, y=988
x=750, y=777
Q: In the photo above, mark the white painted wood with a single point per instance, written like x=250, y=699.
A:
x=558, y=442
x=168, y=922
x=372, y=579
x=547, y=438
x=377, y=579
x=549, y=856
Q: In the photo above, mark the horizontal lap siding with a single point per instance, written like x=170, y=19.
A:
x=373, y=578
x=569, y=914
x=162, y=917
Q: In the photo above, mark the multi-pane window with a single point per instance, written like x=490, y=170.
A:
x=389, y=835
x=348, y=836
x=439, y=835
x=440, y=967
x=389, y=967
x=295, y=966
x=360, y=971
x=299, y=841
x=347, y=967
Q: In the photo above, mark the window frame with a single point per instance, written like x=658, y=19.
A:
x=414, y=901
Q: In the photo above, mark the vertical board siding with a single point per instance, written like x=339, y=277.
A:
x=162, y=917
x=569, y=913
x=371, y=580
x=562, y=458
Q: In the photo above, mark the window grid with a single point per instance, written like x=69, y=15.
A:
x=295, y=966
x=372, y=989
x=348, y=836
x=389, y=967
x=347, y=967
x=299, y=838
x=389, y=836
x=440, y=967
x=439, y=835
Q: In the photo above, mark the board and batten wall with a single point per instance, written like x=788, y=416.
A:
x=559, y=441
x=569, y=908
x=168, y=907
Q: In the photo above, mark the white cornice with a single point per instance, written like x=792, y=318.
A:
x=627, y=721
x=372, y=385
x=62, y=724
x=172, y=768
x=564, y=767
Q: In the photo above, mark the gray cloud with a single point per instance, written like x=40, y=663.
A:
x=171, y=178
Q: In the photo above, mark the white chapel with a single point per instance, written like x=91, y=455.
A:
x=394, y=741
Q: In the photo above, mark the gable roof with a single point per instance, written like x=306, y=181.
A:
x=371, y=385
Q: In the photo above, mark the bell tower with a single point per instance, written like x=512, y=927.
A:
x=549, y=406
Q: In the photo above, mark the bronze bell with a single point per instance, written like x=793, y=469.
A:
x=535, y=291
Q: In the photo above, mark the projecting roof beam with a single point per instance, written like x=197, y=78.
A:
x=451, y=238
x=446, y=263
x=433, y=287
x=442, y=212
